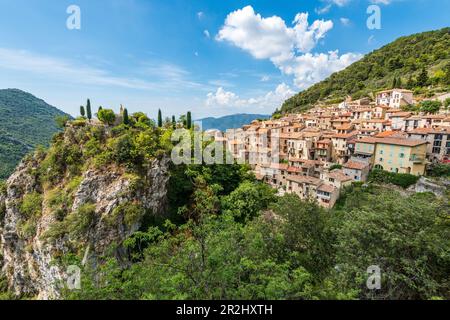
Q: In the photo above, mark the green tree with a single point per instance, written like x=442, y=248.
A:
x=189, y=120
x=107, y=116
x=406, y=237
x=88, y=109
x=246, y=201
x=446, y=77
x=447, y=103
x=423, y=79
x=411, y=83
x=394, y=83
x=174, y=122
x=160, y=121
x=82, y=112
x=430, y=106
x=61, y=121
x=126, y=120
x=305, y=228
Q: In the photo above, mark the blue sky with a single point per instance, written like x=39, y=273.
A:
x=212, y=57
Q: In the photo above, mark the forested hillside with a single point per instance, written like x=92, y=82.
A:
x=26, y=122
x=414, y=62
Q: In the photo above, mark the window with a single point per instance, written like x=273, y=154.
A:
x=381, y=159
x=436, y=150
x=402, y=155
x=381, y=151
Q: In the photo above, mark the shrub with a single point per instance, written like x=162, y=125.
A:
x=132, y=213
x=27, y=229
x=78, y=222
x=3, y=187
x=31, y=205
x=439, y=170
x=430, y=106
x=335, y=166
x=107, y=116
x=403, y=180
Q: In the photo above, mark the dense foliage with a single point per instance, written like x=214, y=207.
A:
x=27, y=122
x=413, y=62
x=403, y=180
x=290, y=249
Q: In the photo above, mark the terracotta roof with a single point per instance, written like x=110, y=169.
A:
x=355, y=165
x=429, y=130
x=277, y=166
x=376, y=121
x=367, y=140
x=401, y=114
x=339, y=175
x=401, y=142
x=327, y=188
x=294, y=169
x=385, y=134
x=344, y=135
x=305, y=179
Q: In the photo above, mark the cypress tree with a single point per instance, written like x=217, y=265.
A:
x=422, y=80
x=174, y=122
x=82, y=113
x=160, y=122
x=394, y=83
x=88, y=110
x=189, y=120
x=126, y=120
x=399, y=83
x=410, y=84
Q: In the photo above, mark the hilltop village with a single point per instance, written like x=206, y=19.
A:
x=319, y=152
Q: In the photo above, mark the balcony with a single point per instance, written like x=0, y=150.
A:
x=416, y=159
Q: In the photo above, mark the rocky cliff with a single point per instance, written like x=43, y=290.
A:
x=82, y=215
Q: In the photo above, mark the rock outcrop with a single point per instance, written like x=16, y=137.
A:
x=30, y=256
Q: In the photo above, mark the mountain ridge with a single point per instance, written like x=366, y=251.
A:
x=28, y=122
x=232, y=121
x=403, y=58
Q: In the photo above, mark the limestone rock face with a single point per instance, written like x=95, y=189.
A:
x=29, y=261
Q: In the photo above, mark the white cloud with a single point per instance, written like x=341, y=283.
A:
x=323, y=10
x=310, y=68
x=222, y=98
x=345, y=21
x=270, y=101
x=265, y=78
x=340, y=3
x=287, y=47
x=307, y=36
x=270, y=38
x=264, y=38
x=386, y=2
x=206, y=33
x=200, y=15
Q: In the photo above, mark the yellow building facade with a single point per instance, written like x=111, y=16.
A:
x=394, y=154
